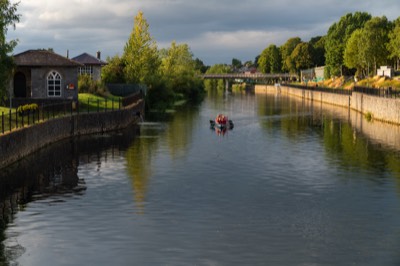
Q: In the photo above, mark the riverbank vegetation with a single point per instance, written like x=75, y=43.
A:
x=170, y=74
x=354, y=46
x=8, y=17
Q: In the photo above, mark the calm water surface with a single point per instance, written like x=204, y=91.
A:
x=289, y=185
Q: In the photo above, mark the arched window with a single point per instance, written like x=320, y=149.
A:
x=54, y=84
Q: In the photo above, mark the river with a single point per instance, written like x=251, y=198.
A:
x=290, y=184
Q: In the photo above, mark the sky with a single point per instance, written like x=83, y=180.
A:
x=215, y=30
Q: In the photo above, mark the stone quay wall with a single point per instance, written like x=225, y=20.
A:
x=380, y=108
x=24, y=141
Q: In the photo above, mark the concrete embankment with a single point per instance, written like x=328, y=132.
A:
x=376, y=130
x=381, y=109
x=24, y=141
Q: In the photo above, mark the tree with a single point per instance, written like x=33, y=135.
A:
x=394, y=43
x=113, y=72
x=286, y=51
x=270, y=60
x=302, y=56
x=336, y=39
x=179, y=70
x=318, y=43
x=354, y=53
x=199, y=65
x=214, y=83
x=375, y=37
x=236, y=64
x=140, y=54
x=8, y=17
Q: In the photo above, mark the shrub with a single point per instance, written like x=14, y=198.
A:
x=27, y=108
x=368, y=116
x=87, y=85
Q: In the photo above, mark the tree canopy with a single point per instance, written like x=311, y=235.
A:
x=356, y=43
x=286, y=52
x=337, y=37
x=170, y=74
x=270, y=60
x=179, y=69
x=8, y=17
x=394, y=42
x=302, y=56
x=140, y=53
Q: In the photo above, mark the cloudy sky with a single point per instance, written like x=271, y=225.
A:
x=215, y=30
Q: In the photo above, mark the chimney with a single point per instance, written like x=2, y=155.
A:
x=98, y=55
x=67, y=54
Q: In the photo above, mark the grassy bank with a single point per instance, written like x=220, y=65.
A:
x=348, y=83
x=91, y=102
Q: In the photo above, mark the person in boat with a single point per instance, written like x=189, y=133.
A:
x=221, y=119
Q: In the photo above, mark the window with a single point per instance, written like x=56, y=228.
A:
x=54, y=84
x=86, y=70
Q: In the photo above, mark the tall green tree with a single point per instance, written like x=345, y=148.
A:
x=354, y=53
x=236, y=63
x=179, y=70
x=200, y=66
x=286, y=52
x=394, y=43
x=270, y=60
x=336, y=40
x=318, y=44
x=141, y=54
x=8, y=17
x=376, y=37
x=113, y=72
x=302, y=56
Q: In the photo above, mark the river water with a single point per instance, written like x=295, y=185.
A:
x=291, y=184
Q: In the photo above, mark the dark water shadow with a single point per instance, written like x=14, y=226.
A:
x=52, y=172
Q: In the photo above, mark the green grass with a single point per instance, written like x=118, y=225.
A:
x=91, y=102
x=6, y=109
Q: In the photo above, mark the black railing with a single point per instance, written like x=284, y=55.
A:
x=321, y=89
x=11, y=120
x=381, y=92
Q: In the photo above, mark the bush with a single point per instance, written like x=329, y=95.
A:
x=87, y=85
x=27, y=108
x=159, y=96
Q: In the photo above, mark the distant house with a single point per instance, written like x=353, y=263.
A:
x=385, y=71
x=319, y=73
x=91, y=65
x=314, y=74
x=42, y=74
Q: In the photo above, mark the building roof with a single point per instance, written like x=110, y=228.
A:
x=88, y=59
x=43, y=58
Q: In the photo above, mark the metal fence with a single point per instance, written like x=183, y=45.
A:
x=382, y=92
x=13, y=120
x=322, y=89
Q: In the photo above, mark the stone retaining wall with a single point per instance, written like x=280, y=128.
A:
x=19, y=143
x=382, y=109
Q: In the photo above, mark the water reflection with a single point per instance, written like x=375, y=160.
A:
x=51, y=174
x=349, y=139
x=171, y=133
